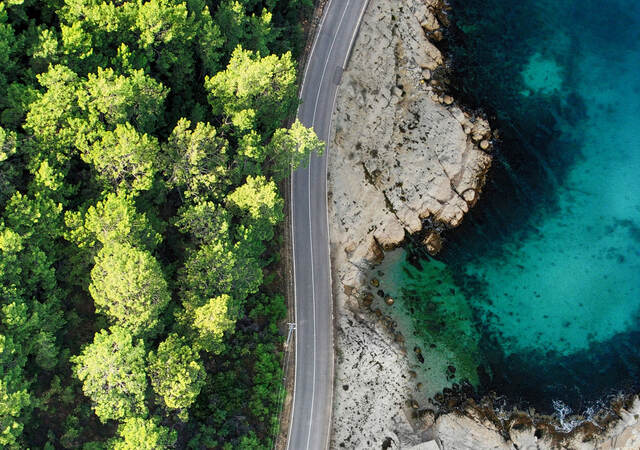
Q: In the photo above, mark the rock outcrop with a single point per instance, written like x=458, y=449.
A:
x=402, y=157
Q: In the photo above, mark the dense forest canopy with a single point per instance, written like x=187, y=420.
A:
x=141, y=147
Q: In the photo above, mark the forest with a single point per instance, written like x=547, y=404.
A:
x=142, y=146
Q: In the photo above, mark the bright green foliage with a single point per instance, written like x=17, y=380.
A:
x=176, y=373
x=209, y=43
x=91, y=31
x=114, y=219
x=204, y=222
x=50, y=116
x=9, y=169
x=260, y=208
x=113, y=99
x=290, y=148
x=37, y=218
x=129, y=287
x=195, y=161
x=141, y=146
x=125, y=158
x=258, y=201
x=165, y=32
x=112, y=371
x=218, y=268
x=14, y=396
x=212, y=320
x=137, y=433
x=255, y=91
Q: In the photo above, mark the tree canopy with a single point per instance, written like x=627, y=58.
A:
x=142, y=148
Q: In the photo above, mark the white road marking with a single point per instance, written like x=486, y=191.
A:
x=327, y=8
x=293, y=244
x=326, y=63
x=313, y=286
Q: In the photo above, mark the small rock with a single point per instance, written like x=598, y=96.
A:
x=448, y=100
x=467, y=130
x=375, y=282
x=433, y=243
x=414, y=404
x=430, y=23
x=484, y=144
x=470, y=197
x=389, y=301
x=426, y=74
x=348, y=290
x=397, y=91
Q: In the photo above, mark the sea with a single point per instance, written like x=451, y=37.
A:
x=536, y=296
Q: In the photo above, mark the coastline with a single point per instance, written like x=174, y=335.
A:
x=395, y=73
x=404, y=160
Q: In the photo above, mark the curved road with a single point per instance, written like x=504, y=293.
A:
x=313, y=391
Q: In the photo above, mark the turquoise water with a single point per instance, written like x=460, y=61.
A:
x=537, y=295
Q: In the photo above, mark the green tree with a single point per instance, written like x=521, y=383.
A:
x=259, y=208
x=114, y=219
x=14, y=394
x=267, y=381
x=212, y=320
x=203, y=222
x=290, y=148
x=51, y=115
x=9, y=166
x=91, y=32
x=176, y=373
x=111, y=99
x=254, y=91
x=112, y=372
x=239, y=27
x=137, y=433
x=125, y=158
x=218, y=268
x=195, y=161
x=7, y=51
x=165, y=33
x=129, y=287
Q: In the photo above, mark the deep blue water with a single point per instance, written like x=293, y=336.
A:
x=537, y=295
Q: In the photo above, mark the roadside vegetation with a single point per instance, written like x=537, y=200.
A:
x=141, y=147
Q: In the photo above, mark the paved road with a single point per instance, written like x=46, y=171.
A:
x=312, y=398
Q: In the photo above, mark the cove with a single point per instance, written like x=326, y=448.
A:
x=536, y=296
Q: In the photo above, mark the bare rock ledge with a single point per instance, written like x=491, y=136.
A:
x=402, y=155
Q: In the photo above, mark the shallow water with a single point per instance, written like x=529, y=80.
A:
x=537, y=295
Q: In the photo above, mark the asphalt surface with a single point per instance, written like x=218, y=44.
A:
x=313, y=391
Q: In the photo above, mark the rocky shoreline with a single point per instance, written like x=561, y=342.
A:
x=406, y=160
